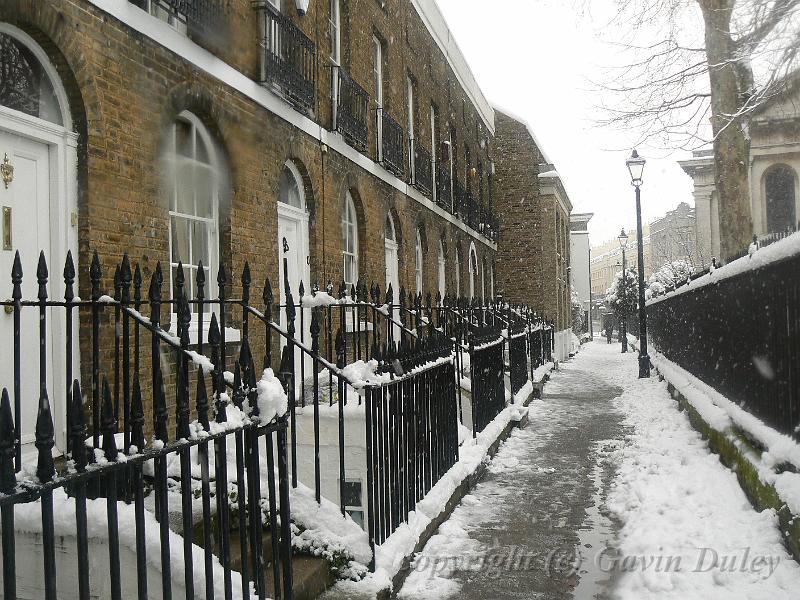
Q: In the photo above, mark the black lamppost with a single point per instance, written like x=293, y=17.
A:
x=635, y=167
x=623, y=328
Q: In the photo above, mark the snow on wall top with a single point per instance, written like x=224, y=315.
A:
x=433, y=19
x=780, y=250
x=518, y=119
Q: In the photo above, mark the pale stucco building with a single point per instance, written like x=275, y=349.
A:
x=774, y=169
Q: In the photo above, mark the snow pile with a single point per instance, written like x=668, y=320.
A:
x=272, y=399
x=28, y=519
x=318, y=299
x=683, y=513
x=541, y=372
x=723, y=415
x=324, y=527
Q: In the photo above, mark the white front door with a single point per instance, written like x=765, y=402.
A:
x=393, y=279
x=25, y=226
x=293, y=247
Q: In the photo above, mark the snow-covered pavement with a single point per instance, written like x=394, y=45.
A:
x=680, y=527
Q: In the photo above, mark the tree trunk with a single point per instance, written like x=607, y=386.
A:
x=731, y=144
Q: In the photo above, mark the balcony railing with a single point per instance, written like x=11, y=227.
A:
x=352, y=106
x=391, y=143
x=202, y=15
x=289, y=57
x=458, y=198
x=423, y=174
x=443, y=189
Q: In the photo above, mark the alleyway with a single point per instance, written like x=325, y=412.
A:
x=539, y=524
x=515, y=535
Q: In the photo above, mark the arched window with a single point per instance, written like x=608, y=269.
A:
x=780, y=194
x=442, y=271
x=194, y=183
x=458, y=271
x=418, y=261
x=24, y=84
x=473, y=271
x=290, y=190
x=350, y=242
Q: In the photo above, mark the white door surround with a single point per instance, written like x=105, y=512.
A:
x=52, y=148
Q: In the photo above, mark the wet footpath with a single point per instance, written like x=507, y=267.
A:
x=533, y=527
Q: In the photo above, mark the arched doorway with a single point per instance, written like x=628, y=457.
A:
x=442, y=271
x=779, y=187
x=473, y=270
x=293, y=252
x=39, y=203
x=391, y=251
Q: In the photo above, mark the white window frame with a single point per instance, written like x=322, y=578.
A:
x=335, y=27
x=411, y=154
x=418, y=263
x=198, y=129
x=349, y=231
x=335, y=30
x=433, y=153
x=458, y=273
x=298, y=179
x=349, y=509
x=377, y=72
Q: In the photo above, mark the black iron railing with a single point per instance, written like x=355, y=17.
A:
x=486, y=370
x=392, y=148
x=423, y=173
x=132, y=366
x=289, y=56
x=739, y=335
x=352, y=107
x=137, y=367
x=518, y=357
x=412, y=431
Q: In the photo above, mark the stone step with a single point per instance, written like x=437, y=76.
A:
x=311, y=575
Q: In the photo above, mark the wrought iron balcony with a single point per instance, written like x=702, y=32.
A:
x=423, y=172
x=444, y=197
x=392, y=150
x=352, y=106
x=459, y=194
x=289, y=57
x=197, y=15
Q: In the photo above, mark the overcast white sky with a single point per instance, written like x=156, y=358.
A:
x=538, y=58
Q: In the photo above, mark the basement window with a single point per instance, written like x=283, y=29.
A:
x=351, y=496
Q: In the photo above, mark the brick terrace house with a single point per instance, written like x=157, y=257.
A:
x=533, y=248
x=351, y=139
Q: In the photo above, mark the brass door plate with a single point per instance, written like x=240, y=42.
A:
x=7, y=242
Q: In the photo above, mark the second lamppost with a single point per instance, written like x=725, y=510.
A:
x=623, y=327
x=636, y=166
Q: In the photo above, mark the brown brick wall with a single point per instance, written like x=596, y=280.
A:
x=125, y=90
x=533, y=248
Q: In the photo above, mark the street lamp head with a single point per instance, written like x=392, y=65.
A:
x=635, y=167
x=623, y=239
